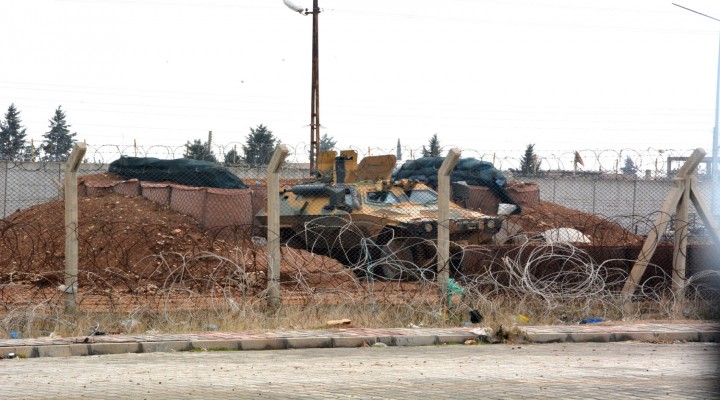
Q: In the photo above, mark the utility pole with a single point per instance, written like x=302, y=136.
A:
x=314, y=82
x=714, y=201
x=714, y=179
x=315, y=94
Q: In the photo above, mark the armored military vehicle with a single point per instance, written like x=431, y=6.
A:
x=356, y=214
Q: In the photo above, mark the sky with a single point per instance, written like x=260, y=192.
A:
x=486, y=75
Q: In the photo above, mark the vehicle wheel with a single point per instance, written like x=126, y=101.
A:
x=399, y=261
x=291, y=239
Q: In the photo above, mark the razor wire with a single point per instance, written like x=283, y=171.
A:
x=180, y=273
x=598, y=186
x=659, y=162
x=215, y=281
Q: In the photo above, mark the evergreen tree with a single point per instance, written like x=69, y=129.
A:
x=629, y=168
x=59, y=141
x=434, y=145
x=232, y=157
x=327, y=142
x=259, y=146
x=197, y=150
x=529, y=163
x=12, y=135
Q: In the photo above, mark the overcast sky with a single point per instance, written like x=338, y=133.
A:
x=488, y=75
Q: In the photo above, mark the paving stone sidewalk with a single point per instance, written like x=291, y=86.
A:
x=692, y=331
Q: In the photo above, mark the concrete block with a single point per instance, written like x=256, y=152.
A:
x=546, y=337
x=216, y=344
x=263, y=344
x=162, y=347
x=638, y=336
x=388, y=340
x=97, y=349
x=63, y=350
x=79, y=349
x=709, y=337
x=356, y=341
x=4, y=351
x=59, y=350
x=309, y=343
x=684, y=336
x=27, y=351
x=455, y=339
x=583, y=337
x=415, y=340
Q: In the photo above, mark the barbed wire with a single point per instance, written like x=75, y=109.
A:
x=136, y=276
x=156, y=262
x=605, y=161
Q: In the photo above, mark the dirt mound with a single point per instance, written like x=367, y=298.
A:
x=535, y=220
x=134, y=242
x=137, y=243
x=104, y=178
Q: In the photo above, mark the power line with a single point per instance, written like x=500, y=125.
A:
x=696, y=12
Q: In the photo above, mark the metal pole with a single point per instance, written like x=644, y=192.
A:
x=714, y=183
x=634, y=197
x=5, y=191
x=715, y=198
x=594, y=182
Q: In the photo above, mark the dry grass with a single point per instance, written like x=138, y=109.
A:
x=197, y=313
x=510, y=291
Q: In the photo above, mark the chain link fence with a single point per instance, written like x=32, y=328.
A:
x=554, y=244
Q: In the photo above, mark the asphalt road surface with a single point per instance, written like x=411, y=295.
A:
x=584, y=371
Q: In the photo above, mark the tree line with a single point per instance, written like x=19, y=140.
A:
x=258, y=149
x=58, y=142
x=259, y=145
x=530, y=162
x=14, y=145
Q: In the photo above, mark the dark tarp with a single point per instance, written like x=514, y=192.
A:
x=469, y=170
x=183, y=171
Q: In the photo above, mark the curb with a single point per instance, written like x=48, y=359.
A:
x=349, y=338
x=604, y=337
x=291, y=343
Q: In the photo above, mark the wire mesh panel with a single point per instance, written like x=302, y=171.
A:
x=556, y=244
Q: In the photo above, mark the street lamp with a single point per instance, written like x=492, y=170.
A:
x=715, y=183
x=315, y=84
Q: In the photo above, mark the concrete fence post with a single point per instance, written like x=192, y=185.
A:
x=71, y=226
x=682, y=212
x=443, y=234
x=273, y=225
x=677, y=200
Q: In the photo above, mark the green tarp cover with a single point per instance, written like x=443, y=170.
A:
x=183, y=171
x=469, y=170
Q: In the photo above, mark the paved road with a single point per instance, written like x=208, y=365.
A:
x=561, y=370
